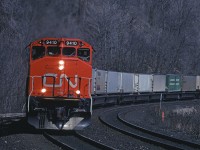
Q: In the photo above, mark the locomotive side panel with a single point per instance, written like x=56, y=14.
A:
x=85, y=82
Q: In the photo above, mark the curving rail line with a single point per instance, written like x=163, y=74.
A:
x=66, y=140
x=111, y=118
x=74, y=141
x=57, y=142
x=114, y=119
x=160, y=135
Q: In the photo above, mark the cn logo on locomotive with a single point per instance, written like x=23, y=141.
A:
x=73, y=85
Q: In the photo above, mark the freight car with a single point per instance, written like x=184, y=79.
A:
x=59, y=91
x=117, y=84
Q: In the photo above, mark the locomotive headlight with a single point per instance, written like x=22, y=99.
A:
x=43, y=90
x=78, y=92
x=61, y=62
x=61, y=67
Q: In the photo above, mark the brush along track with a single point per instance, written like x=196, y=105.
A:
x=111, y=119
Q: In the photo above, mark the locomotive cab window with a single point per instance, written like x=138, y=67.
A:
x=38, y=52
x=84, y=54
x=53, y=51
x=69, y=51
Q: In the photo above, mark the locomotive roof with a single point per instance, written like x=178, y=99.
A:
x=55, y=41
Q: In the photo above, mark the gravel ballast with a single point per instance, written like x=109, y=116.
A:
x=19, y=136
x=111, y=137
x=177, y=119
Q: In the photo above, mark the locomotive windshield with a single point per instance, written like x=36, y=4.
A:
x=53, y=51
x=69, y=51
x=38, y=52
x=84, y=54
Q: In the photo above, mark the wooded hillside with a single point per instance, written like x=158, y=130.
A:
x=143, y=36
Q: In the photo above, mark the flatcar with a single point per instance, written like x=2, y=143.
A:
x=59, y=84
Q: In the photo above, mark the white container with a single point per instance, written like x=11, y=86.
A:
x=188, y=83
x=136, y=83
x=113, y=82
x=145, y=83
x=99, y=82
x=159, y=82
x=197, y=82
x=127, y=83
x=93, y=81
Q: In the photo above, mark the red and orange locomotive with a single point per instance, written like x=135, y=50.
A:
x=60, y=77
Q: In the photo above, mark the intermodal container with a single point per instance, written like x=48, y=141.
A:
x=93, y=81
x=113, y=82
x=188, y=83
x=159, y=83
x=100, y=79
x=127, y=82
x=145, y=83
x=197, y=82
x=173, y=82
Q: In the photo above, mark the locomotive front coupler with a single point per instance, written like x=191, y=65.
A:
x=84, y=104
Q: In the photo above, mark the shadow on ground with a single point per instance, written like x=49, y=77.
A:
x=22, y=127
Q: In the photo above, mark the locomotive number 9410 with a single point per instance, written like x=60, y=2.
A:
x=59, y=91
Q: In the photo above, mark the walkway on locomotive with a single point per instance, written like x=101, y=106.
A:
x=61, y=68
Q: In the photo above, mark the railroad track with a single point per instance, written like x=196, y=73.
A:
x=113, y=118
x=69, y=140
x=120, y=117
x=74, y=140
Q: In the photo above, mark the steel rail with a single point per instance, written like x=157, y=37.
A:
x=57, y=142
x=160, y=135
x=83, y=138
x=138, y=136
x=93, y=142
